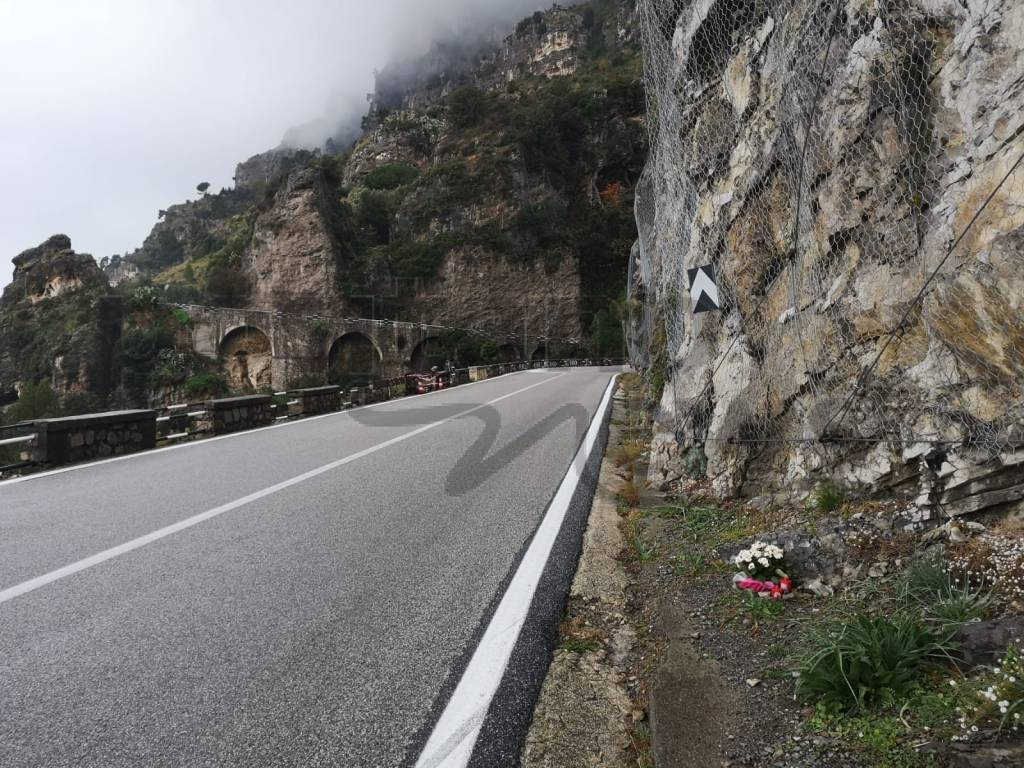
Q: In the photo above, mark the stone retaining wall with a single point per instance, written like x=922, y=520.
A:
x=93, y=436
x=234, y=414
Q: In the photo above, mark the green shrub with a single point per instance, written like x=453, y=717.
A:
x=36, y=401
x=869, y=660
x=138, y=355
x=205, y=384
x=417, y=258
x=489, y=352
x=467, y=106
x=391, y=176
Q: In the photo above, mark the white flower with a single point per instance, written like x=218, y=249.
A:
x=763, y=561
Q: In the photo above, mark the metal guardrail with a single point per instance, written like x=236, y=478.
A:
x=24, y=442
x=11, y=441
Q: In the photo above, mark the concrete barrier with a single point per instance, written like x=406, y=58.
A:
x=93, y=436
x=234, y=414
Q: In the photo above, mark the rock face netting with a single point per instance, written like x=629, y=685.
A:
x=853, y=172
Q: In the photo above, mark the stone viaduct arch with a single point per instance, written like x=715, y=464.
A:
x=353, y=360
x=262, y=348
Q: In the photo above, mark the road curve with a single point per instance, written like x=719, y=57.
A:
x=304, y=595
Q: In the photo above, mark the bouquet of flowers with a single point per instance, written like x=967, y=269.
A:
x=761, y=560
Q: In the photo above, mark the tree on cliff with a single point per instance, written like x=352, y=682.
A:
x=203, y=187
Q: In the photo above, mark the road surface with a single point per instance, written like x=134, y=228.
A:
x=304, y=595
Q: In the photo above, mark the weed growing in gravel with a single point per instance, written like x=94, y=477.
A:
x=579, y=637
x=627, y=452
x=629, y=495
x=868, y=660
x=737, y=603
x=577, y=645
x=880, y=738
x=640, y=740
x=702, y=529
x=760, y=610
x=643, y=551
x=828, y=498
x=692, y=561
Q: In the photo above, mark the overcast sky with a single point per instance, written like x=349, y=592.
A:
x=113, y=109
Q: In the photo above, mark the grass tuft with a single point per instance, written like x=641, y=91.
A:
x=828, y=498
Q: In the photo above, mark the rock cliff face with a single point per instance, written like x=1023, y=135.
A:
x=478, y=291
x=55, y=323
x=849, y=171
x=49, y=271
x=291, y=259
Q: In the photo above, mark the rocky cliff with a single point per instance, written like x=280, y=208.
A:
x=55, y=323
x=50, y=271
x=492, y=186
x=851, y=172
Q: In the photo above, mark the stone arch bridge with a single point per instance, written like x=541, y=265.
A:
x=263, y=348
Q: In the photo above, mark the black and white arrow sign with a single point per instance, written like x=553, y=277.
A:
x=703, y=289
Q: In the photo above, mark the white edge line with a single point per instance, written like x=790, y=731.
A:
x=48, y=578
x=454, y=735
x=243, y=433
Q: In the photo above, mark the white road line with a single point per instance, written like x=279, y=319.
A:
x=451, y=742
x=48, y=578
x=233, y=435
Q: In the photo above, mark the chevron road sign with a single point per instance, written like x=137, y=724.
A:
x=703, y=289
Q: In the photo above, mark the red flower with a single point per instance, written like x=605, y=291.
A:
x=786, y=584
x=776, y=593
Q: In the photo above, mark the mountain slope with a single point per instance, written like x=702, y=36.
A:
x=491, y=180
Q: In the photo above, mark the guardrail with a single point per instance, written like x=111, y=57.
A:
x=192, y=421
x=18, y=439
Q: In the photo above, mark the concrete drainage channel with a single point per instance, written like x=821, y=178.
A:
x=48, y=443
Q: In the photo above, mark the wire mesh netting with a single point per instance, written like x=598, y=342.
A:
x=852, y=172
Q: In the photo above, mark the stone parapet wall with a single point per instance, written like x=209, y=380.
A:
x=234, y=414
x=93, y=436
x=317, y=400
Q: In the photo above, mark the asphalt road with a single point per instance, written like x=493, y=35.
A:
x=307, y=595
